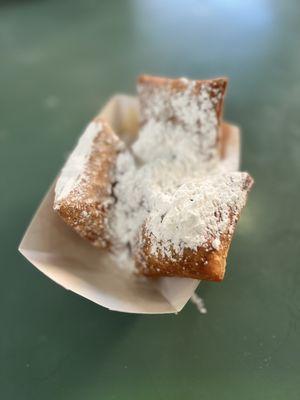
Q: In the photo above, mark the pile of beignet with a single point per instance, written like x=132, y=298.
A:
x=190, y=234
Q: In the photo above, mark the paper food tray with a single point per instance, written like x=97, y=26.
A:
x=57, y=251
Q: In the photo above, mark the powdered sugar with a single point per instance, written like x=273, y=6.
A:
x=185, y=118
x=171, y=180
x=199, y=213
x=216, y=243
x=76, y=163
x=199, y=303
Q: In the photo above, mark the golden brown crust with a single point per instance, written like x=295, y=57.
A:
x=215, y=87
x=86, y=206
x=204, y=263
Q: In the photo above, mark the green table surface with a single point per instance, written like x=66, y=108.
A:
x=60, y=61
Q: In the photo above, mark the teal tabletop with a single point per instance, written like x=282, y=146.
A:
x=60, y=60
